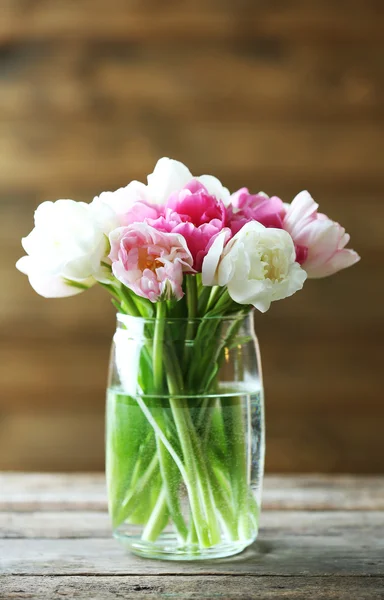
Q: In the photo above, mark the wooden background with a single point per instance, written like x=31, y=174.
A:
x=276, y=95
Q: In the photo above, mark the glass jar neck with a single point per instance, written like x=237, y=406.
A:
x=184, y=329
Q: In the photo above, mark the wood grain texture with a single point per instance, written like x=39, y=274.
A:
x=184, y=587
x=59, y=544
x=295, y=554
x=115, y=82
x=274, y=95
x=36, y=492
x=128, y=19
x=70, y=524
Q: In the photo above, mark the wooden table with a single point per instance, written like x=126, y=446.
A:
x=320, y=537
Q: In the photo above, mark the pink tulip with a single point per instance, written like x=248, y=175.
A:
x=320, y=243
x=196, y=215
x=166, y=221
x=247, y=207
x=140, y=212
x=150, y=262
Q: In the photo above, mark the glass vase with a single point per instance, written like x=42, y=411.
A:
x=185, y=436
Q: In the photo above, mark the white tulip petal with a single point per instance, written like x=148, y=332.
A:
x=168, y=176
x=212, y=258
x=50, y=286
x=68, y=241
x=24, y=264
x=301, y=208
x=121, y=200
x=257, y=265
x=215, y=188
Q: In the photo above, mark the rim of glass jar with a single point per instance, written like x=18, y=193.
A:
x=125, y=319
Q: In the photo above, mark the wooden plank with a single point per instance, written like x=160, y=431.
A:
x=59, y=491
x=46, y=400
x=72, y=363
x=296, y=444
x=188, y=20
x=74, y=441
x=67, y=524
x=323, y=492
x=274, y=554
x=283, y=82
x=80, y=492
x=185, y=587
x=331, y=193
x=50, y=524
x=70, y=375
x=73, y=367
x=66, y=154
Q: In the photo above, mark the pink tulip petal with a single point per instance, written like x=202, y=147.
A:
x=341, y=260
x=325, y=240
x=150, y=262
x=257, y=207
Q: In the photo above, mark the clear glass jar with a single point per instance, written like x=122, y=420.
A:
x=185, y=436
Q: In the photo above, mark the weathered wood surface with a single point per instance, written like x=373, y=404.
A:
x=68, y=524
x=277, y=553
x=275, y=95
x=326, y=540
x=184, y=587
x=26, y=492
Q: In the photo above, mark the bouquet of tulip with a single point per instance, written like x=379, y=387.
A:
x=181, y=247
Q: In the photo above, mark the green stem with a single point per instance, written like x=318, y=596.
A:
x=238, y=464
x=111, y=290
x=191, y=303
x=224, y=505
x=192, y=314
x=203, y=300
x=171, y=479
x=217, y=354
x=192, y=539
x=192, y=481
x=158, y=342
x=127, y=301
x=215, y=293
x=132, y=499
x=158, y=519
x=167, y=466
x=200, y=494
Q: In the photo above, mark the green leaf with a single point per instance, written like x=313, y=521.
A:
x=76, y=284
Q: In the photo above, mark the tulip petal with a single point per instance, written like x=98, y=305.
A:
x=302, y=208
x=215, y=188
x=168, y=176
x=322, y=239
x=341, y=260
x=212, y=258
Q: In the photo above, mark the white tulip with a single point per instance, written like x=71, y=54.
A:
x=121, y=200
x=215, y=188
x=168, y=176
x=69, y=243
x=50, y=286
x=172, y=175
x=257, y=265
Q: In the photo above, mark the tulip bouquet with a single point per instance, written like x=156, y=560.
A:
x=181, y=248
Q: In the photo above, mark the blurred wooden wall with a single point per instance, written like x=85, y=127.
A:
x=275, y=95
